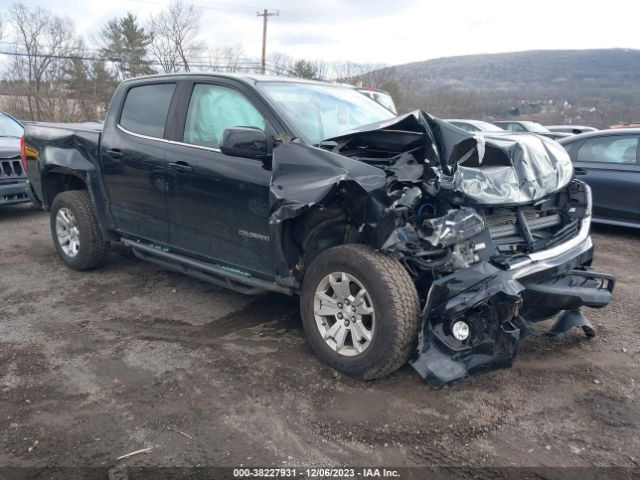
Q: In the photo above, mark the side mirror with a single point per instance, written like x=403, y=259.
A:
x=246, y=142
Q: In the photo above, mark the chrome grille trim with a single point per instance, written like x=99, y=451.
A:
x=11, y=168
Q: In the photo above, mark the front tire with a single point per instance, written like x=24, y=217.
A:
x=75, y=231
x=360, y=311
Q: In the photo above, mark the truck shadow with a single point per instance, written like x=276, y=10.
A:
x=10, y=212
x=628, y=232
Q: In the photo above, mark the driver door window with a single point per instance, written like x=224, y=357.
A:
x=212, y=109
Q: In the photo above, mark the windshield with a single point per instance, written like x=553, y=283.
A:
x=318, y=112
x=9, y=127
x=534, y=127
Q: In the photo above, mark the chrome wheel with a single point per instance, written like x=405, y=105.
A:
x=344, y=314
x=67, y=232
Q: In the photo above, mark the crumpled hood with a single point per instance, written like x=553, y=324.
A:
x=488, y=167
x=512, y=168
x=378, y=163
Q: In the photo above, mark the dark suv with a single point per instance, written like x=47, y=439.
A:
x=13, y=174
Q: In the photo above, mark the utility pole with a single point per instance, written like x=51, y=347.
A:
x=265, y=14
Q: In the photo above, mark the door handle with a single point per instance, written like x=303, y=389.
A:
x=580, y=171
x=182, y=167
x=115, y=153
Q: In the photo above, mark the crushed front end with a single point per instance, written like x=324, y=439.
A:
x=493, y=229
x=528, y=263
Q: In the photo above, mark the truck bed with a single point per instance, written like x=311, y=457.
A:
x=60, y=147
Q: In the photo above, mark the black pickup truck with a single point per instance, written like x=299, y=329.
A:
x=406, y=238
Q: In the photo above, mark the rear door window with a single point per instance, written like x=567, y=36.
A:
x=619, y=149
x=146, y=108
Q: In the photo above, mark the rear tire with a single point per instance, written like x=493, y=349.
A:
x=75, y=231
x=374, y=297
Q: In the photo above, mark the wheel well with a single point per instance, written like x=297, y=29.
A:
x=321, y=229
x=56, y=183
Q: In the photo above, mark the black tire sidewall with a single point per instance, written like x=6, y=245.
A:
x=87, y=235
x=361, y=365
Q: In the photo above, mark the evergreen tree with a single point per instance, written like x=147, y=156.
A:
x=125, y=45
x=305, y=69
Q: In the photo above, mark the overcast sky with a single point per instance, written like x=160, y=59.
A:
x=386, y=31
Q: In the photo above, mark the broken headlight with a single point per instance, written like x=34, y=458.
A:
x=455, y=227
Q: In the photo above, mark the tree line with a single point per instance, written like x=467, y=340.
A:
x=51, y=74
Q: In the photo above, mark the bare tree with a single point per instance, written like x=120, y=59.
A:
x=89, y=84
x=175, y=31
x=346, y=72
x=231, y=58
x=279, y=63
x=322, y=69
x=163, y=51
x=361, y=74
x=43, y=43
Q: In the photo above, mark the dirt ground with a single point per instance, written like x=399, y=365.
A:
x=94, y=365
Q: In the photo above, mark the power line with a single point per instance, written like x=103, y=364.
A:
x=240, y=64
x=224, y=7
x=304, y=19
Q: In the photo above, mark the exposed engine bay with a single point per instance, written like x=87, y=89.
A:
x=490, y=227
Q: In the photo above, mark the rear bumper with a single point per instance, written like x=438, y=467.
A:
x=12, y=193
x=498, y=305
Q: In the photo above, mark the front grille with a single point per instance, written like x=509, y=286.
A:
x=529, y=230
x=551, y=221
x=502, y=226
x=11, y=168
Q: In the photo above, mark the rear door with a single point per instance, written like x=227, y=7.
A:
x=135, y=170
x=609, y=164
x=220, y=206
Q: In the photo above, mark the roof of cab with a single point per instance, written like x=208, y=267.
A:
x=248, y=78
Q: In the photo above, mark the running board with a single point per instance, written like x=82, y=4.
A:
x=208, y=272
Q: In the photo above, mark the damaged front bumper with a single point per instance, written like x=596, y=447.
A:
x=497, y=305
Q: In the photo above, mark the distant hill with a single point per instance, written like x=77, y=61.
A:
x=582, y=86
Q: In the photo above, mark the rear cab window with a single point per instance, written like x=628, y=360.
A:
x=146, y=108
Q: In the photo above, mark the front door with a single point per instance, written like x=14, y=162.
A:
x=219, y=205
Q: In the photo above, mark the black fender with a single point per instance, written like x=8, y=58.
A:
x=307, y=179
x=72, y=156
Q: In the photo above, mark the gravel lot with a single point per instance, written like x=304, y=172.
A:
x=98, y=364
